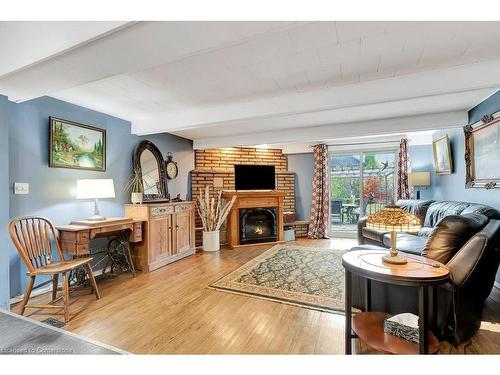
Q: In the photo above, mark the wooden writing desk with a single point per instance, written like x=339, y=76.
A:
x=75, y=238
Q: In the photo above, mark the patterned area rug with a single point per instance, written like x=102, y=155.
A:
x=304, y=276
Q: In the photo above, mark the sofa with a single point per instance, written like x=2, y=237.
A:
x=464, y=236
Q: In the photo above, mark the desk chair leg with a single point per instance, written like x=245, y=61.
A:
x=55, y=281
x=92, y=281
x=65, y=291
x=27, y=293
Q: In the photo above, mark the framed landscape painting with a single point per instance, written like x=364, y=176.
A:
x=442, y=155
x=77, y=146
x=482, y=153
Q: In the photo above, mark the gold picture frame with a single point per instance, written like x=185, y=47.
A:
x=76, y=146
x=482, y=153
x=443, y=163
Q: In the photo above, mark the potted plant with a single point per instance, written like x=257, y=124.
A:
x=135, y=185
x=213, y=214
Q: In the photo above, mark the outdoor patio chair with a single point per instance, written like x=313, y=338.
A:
x=336, y=210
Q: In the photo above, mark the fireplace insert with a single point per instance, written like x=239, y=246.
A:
x=258, y=225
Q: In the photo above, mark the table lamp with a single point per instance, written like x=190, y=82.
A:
x=97, y=188
x=393, y=219
x=417, y=179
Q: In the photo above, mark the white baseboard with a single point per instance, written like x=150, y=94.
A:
x=34, y=293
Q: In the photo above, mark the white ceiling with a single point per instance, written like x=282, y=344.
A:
x=239, y=81
x=25, y=43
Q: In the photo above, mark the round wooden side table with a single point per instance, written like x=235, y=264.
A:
x=420, y=272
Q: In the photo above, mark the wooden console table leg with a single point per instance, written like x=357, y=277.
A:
x=423, y=321
x=348, y=313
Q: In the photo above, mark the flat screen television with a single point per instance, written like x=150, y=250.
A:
x=254, y=177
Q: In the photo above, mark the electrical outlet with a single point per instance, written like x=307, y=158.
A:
x=21, y=188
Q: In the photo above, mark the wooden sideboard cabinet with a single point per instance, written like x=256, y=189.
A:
x=168, y=233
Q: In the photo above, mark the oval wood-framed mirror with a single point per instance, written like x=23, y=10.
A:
x=149, y=161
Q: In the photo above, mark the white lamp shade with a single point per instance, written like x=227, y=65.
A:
x=419, y=178
x=95, y=188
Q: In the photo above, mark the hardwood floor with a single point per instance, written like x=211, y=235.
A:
x=171, y=311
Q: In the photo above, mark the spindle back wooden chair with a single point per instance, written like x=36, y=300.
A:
x=33, y=237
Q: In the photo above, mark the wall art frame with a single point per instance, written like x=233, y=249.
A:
x=441, y=149
x=482, y=152
x=76, y=146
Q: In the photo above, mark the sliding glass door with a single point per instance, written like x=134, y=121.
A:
x=360, y=184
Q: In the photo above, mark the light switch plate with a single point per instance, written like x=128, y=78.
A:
x=21, y=188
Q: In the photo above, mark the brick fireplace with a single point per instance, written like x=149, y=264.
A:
x=215, y=168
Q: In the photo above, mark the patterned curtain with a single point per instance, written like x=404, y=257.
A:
x=318, y=227
x=404, y=167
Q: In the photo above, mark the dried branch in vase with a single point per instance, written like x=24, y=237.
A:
x=134, y=183
x=212, y=213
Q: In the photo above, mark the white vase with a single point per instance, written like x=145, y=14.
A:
x=136, y=198
x=211, y=241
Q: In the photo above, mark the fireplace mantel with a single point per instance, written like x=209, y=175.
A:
x=252, y=199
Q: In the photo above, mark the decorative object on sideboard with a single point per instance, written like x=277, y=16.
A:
x=171, y=167
x=419, y=180
x=213, y=213
x=393, y=219
x=443, y=163
x=177, y=198
x=76, y=146
x=482, y=152
x=96, y=188
x=136, y=187
x=149, y=163
x=136, y=197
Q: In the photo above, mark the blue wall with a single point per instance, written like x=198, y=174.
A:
x=52, y=189
x=302, y=165
x=4, y=204
x=486, y=107
x=421, y=161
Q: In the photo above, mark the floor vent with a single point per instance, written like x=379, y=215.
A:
x=54, y=322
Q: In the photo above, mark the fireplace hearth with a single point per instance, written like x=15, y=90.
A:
x=258, y=225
